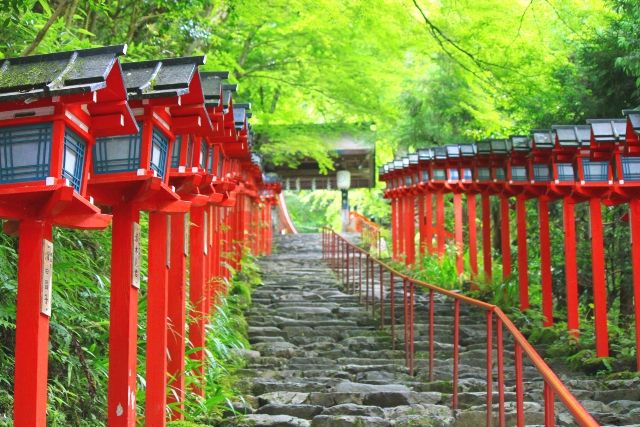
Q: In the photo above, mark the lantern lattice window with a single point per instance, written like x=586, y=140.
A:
x=454, y=174
x=518, y=173
x=565, y=172
x=159, y=146
x=631, y=168
x=425, y=176
x=203, y=154
x=73, y=160
x=25, y=152
x=484, y=174
x=595, y=171
x=189, y=161
x=175, y=153
x=466, y=174
x=117, y=153
x=439, y=175
x=541, y=173
x=500, y=174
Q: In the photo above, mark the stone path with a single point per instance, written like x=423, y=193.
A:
x=319, y=359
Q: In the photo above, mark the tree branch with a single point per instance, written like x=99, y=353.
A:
x=43, y=31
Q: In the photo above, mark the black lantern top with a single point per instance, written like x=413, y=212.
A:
x=542, y=139
x=608, y=130
x=440, y=153
x=468, y=150
x=520, y=143
x=500, y=146
x=405, y=162
x=484, y=147
x=413, y=159
x=397, y=165
x=570, y=136
x=57, y=74
x=227, y=90
x=240, y=116
x=453, y=151
x=425, y=154
x=212, y=86
x=160, y=78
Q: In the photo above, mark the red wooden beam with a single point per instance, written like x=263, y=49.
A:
x=440, y=223
x=634, y=223
x=123, y=315
x=523, y=261
x=177, y=315
x=32, y=324
x=428, y=221
x=197, y=294
x=545, y=261
x=156, y=357
x=571, y=266
x=486, y=236
x=599, y=278
x=457, y=216
x=409, y=224
x=473, y=240
x=505, y=237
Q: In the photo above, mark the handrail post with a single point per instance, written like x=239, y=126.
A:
x=500, y=363
x=456, y=351
x=431, y=332
x=381, y=297
x=489, y=368
x=392, y=311
x=519, y=386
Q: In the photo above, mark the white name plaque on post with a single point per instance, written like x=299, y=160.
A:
x=135, y=257
x=46, y=277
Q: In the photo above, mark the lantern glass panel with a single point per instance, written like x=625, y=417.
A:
x=565, y=172
x=159, y=145
x=439, y=175
x=518, y=173
x=595, y=171
x=407, y=181
x=203, y=154
x=73, y=159
x=190, y=143
x=454, y=174
x=220, y=163
x=631, y=168
x=25, y=152
x=425, y=176
x=175, y=153
x=210, y=161
x=500, y=174
x=117, y=153
x=484, y=174
x=467, y=175
x=541, y=173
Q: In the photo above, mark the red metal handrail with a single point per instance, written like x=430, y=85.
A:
x=338, y=253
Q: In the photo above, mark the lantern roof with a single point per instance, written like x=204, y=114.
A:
x=405, y=162
x=633, y=117
x=212, y=86
x=439, y=153
x=542, y=139
x=239, y=117
x=520, y=143
x=572, y=135
x=484, y=147
x=160, y=78
x=453, y=151
x=227, y=90
x=425, y=154
x=608, y=130
x=413, y=159
x=57, y=74
x=501, y=146
x=389, y=167
x=397, y=164
x=468, y=150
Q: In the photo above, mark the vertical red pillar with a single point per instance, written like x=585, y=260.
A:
x=177, y=314
x=394, y=233
x=156, y=360
x=440, y=223
x=545, y=261
x=599, y=278
x=32, y=324
x=505, y=237
x=473, y=239
x=571, y=266
x=428, y=222
x=197, y=314
x=486, y=237
x=123, y=315
x=523, y=260
x=457, y=218
x=421, y=225
x=400, y=228
x=410, y=230
x=634, y=222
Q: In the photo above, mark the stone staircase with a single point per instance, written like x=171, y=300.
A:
x=319, y=359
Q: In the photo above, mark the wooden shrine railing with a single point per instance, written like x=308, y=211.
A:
x=341, y=256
